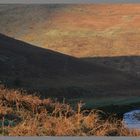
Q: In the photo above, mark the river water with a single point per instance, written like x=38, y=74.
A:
x=132, y=119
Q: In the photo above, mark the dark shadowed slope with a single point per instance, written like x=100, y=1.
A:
x=129, y=64
x=55, y=74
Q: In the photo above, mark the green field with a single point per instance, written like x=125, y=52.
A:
x=112, y=105
x=98, y=102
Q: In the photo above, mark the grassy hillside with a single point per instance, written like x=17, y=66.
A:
x=54, y=74
x=98, y=30
x=69, y=53
x=78, y=30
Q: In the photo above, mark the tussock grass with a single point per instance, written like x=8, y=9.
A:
x=28, y=115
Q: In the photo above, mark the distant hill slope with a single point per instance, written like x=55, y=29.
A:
x=129, y=64
x=23, y=65
x=104, y=30
x=78, y=30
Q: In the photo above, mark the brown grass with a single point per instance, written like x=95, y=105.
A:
x=101, y=29
x=36, y=117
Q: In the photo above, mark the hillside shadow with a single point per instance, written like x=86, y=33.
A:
x=54, y=74
x=129, y=64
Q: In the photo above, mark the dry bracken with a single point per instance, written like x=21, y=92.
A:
x=31, y=116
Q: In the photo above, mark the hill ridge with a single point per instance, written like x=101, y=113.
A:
x=31, y=67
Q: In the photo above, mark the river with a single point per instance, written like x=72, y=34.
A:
x=132, y=119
